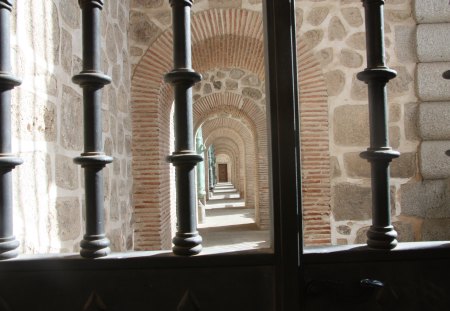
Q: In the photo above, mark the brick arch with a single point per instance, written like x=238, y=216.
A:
x=216, y=30
x=249, y=113
x=151, y=102
x=218, y=22
x=226, y=147
x=233, y=104
x=220, y=127
x=229, y=51
x=235, y=142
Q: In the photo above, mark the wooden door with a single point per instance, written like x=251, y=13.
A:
x=223, y=172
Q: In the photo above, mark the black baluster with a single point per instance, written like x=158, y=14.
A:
x=381, y=234
x=187, y=240
x=8, y=243
x=93, y=159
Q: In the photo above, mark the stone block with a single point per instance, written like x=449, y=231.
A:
x=352, y=16
x=71, y=13
x=356, y=166
x=401, y=84
x=317, y=15
x=434, y=120
x=351, y=125
x=111, y=47
x=431, y=11
x=431, y=86
x=432, y=42
x=434, y=163
x=235, y=73
x=344, y=230
x=404, y=166
x=66, y=173
x=325, y=56
x=394, y=112
x=351, y=59
x=116, y=239
x=335, y=81
x=394, y=137
x=357, y=41
x=427, y=199
x=68, y=211
x=66, y=51
x=405, y=48
x=251, y=80
x=313, y=37
x=436, y=230
x=71, y=119
x=354, y=202
x=359, y=90
x=142, y=30
x=351, y=202
x=336, y=30
x=411, y=121
x=396, y=16
x=252, y=93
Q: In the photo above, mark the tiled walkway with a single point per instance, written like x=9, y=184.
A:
x=228, y=225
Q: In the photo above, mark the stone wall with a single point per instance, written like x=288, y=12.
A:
x=47, y=121
x=334, y=112
x=425, y=201
x=335, y=32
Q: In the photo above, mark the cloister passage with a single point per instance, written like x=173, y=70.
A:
x=229, y=106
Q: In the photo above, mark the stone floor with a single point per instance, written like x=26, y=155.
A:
x=228, y=225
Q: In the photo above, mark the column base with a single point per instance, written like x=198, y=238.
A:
x=8, y=248
x=187, y=244
x=382, y=237
x=94, y=246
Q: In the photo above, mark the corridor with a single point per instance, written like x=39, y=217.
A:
x=228, y=225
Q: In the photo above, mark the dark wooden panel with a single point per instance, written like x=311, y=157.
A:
x=413, y=280
x=134, y=288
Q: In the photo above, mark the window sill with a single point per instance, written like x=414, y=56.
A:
x=139, y=259
x=360, y=252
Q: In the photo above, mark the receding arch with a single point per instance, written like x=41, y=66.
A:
x=221, y=30
x=238, y=145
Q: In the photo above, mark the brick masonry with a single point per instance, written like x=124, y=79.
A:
x=230, y=106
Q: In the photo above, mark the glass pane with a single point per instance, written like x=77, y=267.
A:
x=334, y=125
x=138, y=127
x=229, y=124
